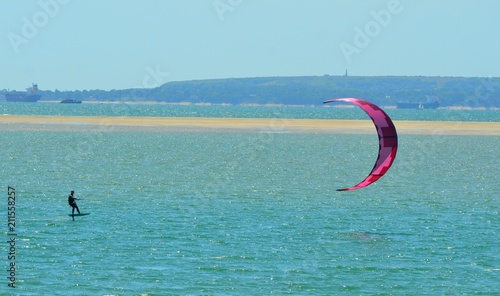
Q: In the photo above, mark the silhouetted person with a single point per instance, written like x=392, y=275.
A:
x=72, y=202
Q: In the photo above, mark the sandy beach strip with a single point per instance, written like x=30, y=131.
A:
x=116, y=123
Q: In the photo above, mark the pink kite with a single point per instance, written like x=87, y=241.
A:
x=388, y=140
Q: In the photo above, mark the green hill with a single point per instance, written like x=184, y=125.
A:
x=308, y=90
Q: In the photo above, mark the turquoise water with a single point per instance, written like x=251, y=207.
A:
x=318, y=112
x=228, y=213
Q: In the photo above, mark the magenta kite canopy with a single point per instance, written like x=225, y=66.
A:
x=387, y=136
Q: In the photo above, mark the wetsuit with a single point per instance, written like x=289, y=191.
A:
x=72, y=203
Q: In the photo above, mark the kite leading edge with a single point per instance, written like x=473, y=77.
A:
x=388, y=140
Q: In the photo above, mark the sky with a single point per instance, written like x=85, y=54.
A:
x=121, y=44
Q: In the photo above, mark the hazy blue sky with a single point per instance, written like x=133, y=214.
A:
x=117, y=44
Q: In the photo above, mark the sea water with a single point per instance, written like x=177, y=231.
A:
x=230, y=111
x=250, y=213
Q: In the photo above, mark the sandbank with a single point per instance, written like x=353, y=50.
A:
x=110, y=123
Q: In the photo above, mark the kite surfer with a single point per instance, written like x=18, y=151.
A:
x=72, y=202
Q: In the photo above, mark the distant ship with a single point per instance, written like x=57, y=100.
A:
x=71, y=101
x=431, y=103
x=30, y=95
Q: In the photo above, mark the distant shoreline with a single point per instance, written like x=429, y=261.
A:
x=266, y=125
x=449, y=91
x=252, y=105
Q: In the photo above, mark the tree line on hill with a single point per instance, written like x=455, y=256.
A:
x=308, y=90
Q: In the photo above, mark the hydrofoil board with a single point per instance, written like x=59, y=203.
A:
x=76, y=215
